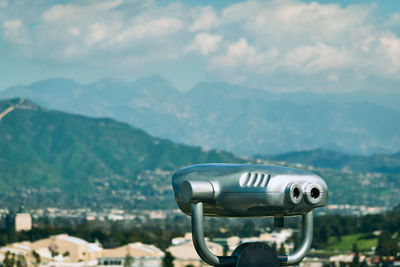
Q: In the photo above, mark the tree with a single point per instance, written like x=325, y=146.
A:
x=168, y=260
x=386, y=245
x=225, y=249
x=274, y=247
x=36, y=256
x=337, y=231
x=53, y=253
x=53, y=250
x=248, y=229
x=9, y=259
x=364, y=263
x=128, y=260
x=296, y=239
x=282, y=250
x=356, y=258
x=21, y=261
x=323, y=234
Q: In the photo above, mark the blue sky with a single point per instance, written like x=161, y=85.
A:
x=279, y=45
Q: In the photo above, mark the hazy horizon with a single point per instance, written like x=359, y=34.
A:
x=293, y=45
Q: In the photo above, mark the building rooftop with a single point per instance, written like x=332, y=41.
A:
x=151, y=249
x=136, y=249
x=72, y=239
x=94, y=248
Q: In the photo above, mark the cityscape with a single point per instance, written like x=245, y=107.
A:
x=199, y=133
x=65, y=250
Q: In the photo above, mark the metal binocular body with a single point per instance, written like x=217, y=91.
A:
x=239, y=190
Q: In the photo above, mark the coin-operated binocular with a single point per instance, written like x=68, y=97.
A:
x=237, y=190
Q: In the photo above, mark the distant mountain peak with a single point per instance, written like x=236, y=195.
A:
x=238, y=118
x=154, y=77
x=156, y=80
x=54, y=82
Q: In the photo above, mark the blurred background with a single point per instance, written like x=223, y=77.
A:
x=101, y=101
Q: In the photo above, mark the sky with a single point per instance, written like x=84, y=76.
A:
x=279, y=45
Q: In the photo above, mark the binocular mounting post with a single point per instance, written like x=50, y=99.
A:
x=249, y=254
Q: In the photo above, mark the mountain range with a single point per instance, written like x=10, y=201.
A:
x=53, y=158
x=50, y=158
x=246, y=121
x=321, y=158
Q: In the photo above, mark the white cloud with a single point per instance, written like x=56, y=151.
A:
x=250, y=41
x=242, y=61
x=332, y=77
x=12, y=26
x=3, y=4
x=315, y=58
x=237, y=53
x=97, y=33
x=391, y=46
x=13, y=31
x=204, y=18
x=280, y=21
x=71, y=12
x=149, y=28
x=205, y=43
x=394, y=20
x=312, y=39
x=389, y=53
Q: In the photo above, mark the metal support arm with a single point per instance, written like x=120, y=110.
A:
x=200, y=243
x=305, y=245
x=210, y=258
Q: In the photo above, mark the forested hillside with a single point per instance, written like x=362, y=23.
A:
x=50, y=157
x=240, y=119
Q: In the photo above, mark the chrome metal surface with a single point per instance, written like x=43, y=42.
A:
x=240, y=190
x=305, y=244
x=199, y=242
x=206, y=255
x=192, y=191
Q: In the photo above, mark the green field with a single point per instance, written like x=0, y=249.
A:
x=364, y=242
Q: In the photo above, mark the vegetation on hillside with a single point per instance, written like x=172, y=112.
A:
x=321, y=158
x=50, y=158
x=46, y=155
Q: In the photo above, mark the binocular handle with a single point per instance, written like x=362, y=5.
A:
x=210, y=258
x=200, y=243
